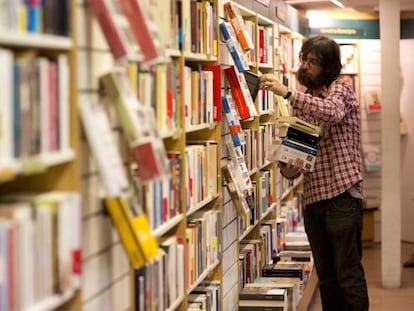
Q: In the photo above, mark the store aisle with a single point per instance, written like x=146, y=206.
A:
x=381, y=299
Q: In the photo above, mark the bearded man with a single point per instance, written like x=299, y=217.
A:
x=333, y=211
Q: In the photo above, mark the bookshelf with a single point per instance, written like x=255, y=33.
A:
x=40, y=155
x=109, y=279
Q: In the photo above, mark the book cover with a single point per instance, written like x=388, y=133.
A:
x=372, y=101
x=237, y=22
x=233, y=46
x=372, y=157
x=253, y=82
x=233, y=122
x=99, y=135
x=134, y=230
x=288, y=150
x=243, y=100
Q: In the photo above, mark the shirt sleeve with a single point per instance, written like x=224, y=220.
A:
x=328, y=110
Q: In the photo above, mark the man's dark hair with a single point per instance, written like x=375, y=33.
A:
x=328, y=54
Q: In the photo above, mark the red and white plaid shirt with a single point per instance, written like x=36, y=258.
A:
x=339, y=163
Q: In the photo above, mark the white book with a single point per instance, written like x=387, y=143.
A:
x=104, y=148
x=64, y=110
x=6, y=108
x=170, y=247
x=22, y=217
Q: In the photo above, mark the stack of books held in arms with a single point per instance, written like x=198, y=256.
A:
x=297, y=139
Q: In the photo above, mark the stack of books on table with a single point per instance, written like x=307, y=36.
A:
x=297, y=241
x=263, y=298
x=297, y=139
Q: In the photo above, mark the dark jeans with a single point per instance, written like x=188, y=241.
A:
x=334, y=229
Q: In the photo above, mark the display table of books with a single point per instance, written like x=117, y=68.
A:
x=288, y=283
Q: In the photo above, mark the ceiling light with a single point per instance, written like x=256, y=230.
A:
x=298, y=2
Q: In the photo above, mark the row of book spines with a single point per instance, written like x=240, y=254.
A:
x=200, y=31
x=257, y=143
x=255, y=254
x=37, y=16
x=201, y=90
x=35, y=105
x=160, y=283
x=201, y=175
x=161, y=198
x=201, y=244
x=40, y=247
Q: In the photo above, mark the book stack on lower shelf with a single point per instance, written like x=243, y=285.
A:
x=291, y=270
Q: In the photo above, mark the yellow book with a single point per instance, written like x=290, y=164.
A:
x=134, y=232
x=283, y=106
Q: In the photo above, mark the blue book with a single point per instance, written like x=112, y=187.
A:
x=232, y=44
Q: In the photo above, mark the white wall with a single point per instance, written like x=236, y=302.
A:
x=407, y=141
x=370, y=78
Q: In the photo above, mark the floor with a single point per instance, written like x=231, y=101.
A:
x=381, y=299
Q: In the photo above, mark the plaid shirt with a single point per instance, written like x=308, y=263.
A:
x=338, y=164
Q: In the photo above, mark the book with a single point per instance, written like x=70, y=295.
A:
x=291, y=285
x=134, y=231
x=372, y=157
x=233, y=46
x=241, y=93
x=372, y=101
x=138, y=125
x=233, y=122
x=217, y=106
x=104, y=149
x=294, y=134
x=286, y=150
x=281, y=269
x=145, y=31
x=115, y=28
x=20, y=216
x=300, y=124
x=253, y=82
x=263, y=293
x=6, y=116
x=243, y=36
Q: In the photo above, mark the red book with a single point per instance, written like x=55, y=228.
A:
x=139, y=19
x=106, y=19
x=216, y=69
x=237, y=92
x=261, y=45
x=147, y=160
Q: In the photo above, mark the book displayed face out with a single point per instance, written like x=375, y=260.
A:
x=253, y=83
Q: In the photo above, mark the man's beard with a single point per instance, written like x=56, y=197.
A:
x=312, y=83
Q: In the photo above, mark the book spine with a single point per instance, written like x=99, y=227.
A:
x=299, y=147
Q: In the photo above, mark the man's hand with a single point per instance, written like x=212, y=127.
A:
x=292, y=169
